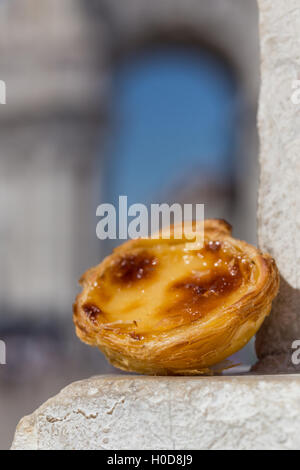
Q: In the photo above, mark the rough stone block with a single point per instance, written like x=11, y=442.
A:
x=135, y=412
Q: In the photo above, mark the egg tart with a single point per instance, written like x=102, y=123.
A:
x=155, y=306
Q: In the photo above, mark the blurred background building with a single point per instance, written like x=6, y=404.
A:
x=155, y=100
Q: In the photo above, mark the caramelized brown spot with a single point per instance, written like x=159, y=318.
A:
x=213, y=246
x=218, y=283
x=133, y=267
x=91, y=312
x=136, y=336
x=198, y=296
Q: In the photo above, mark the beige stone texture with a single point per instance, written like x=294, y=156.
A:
x=134, y=412
x=279, y=195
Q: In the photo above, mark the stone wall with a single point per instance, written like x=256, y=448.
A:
x=279, y=201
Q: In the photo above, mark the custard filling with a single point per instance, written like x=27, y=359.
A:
x=157, y=287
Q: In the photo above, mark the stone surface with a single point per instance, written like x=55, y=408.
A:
x=134, y=412
x=279, y=197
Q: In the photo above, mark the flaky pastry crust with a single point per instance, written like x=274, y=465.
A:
x=156, y=307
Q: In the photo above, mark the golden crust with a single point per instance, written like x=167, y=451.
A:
x=155, y=308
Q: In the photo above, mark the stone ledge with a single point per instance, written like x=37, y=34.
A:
x=135, y=412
